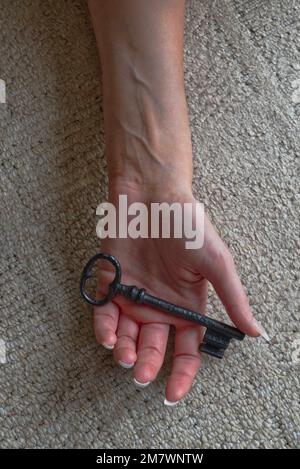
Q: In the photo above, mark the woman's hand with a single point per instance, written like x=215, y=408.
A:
x=137, y=333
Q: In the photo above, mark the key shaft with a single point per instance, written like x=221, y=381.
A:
x=140, y=295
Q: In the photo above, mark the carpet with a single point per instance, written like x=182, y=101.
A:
x=59, y=389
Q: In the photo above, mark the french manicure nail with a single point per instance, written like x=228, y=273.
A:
x=262, y=331
x=169, y=403
x=108, y=347
x=141, y=385
x=127, y=366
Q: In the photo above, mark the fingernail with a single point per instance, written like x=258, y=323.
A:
x=126, y=365
x=262, y=331
x=108, y=347
x=169, y=403
x=141, y=385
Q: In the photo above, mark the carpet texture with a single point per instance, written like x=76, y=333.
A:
x=59, y=389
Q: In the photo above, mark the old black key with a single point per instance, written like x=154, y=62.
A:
x=217, y=335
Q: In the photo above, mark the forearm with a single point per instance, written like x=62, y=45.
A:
x=147, y=131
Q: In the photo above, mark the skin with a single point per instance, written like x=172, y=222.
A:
x=149, y=152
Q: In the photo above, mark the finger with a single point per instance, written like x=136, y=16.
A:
x=105, y=324
x=125, y=348
x=226, y=282
x=152, y=346
x=186, y=363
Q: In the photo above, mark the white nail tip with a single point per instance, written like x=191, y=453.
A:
x=169, y=403
x=141, y=385
x=108, y=347
x=266, y=336
x=127, y=366
x=262, y=331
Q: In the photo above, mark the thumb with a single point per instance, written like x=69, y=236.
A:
x=221, y=272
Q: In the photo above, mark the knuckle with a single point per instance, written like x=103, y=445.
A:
x=151, y=350
x=220, y=257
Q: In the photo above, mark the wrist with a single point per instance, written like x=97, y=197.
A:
x=147, y=144
x=151, y=177
x=150, y=191
x=148, y=152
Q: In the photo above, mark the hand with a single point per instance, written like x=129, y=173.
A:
x=137, y=333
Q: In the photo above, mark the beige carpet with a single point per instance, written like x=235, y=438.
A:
x=58, y=388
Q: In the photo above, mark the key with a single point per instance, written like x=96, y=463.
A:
x=217, y=335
